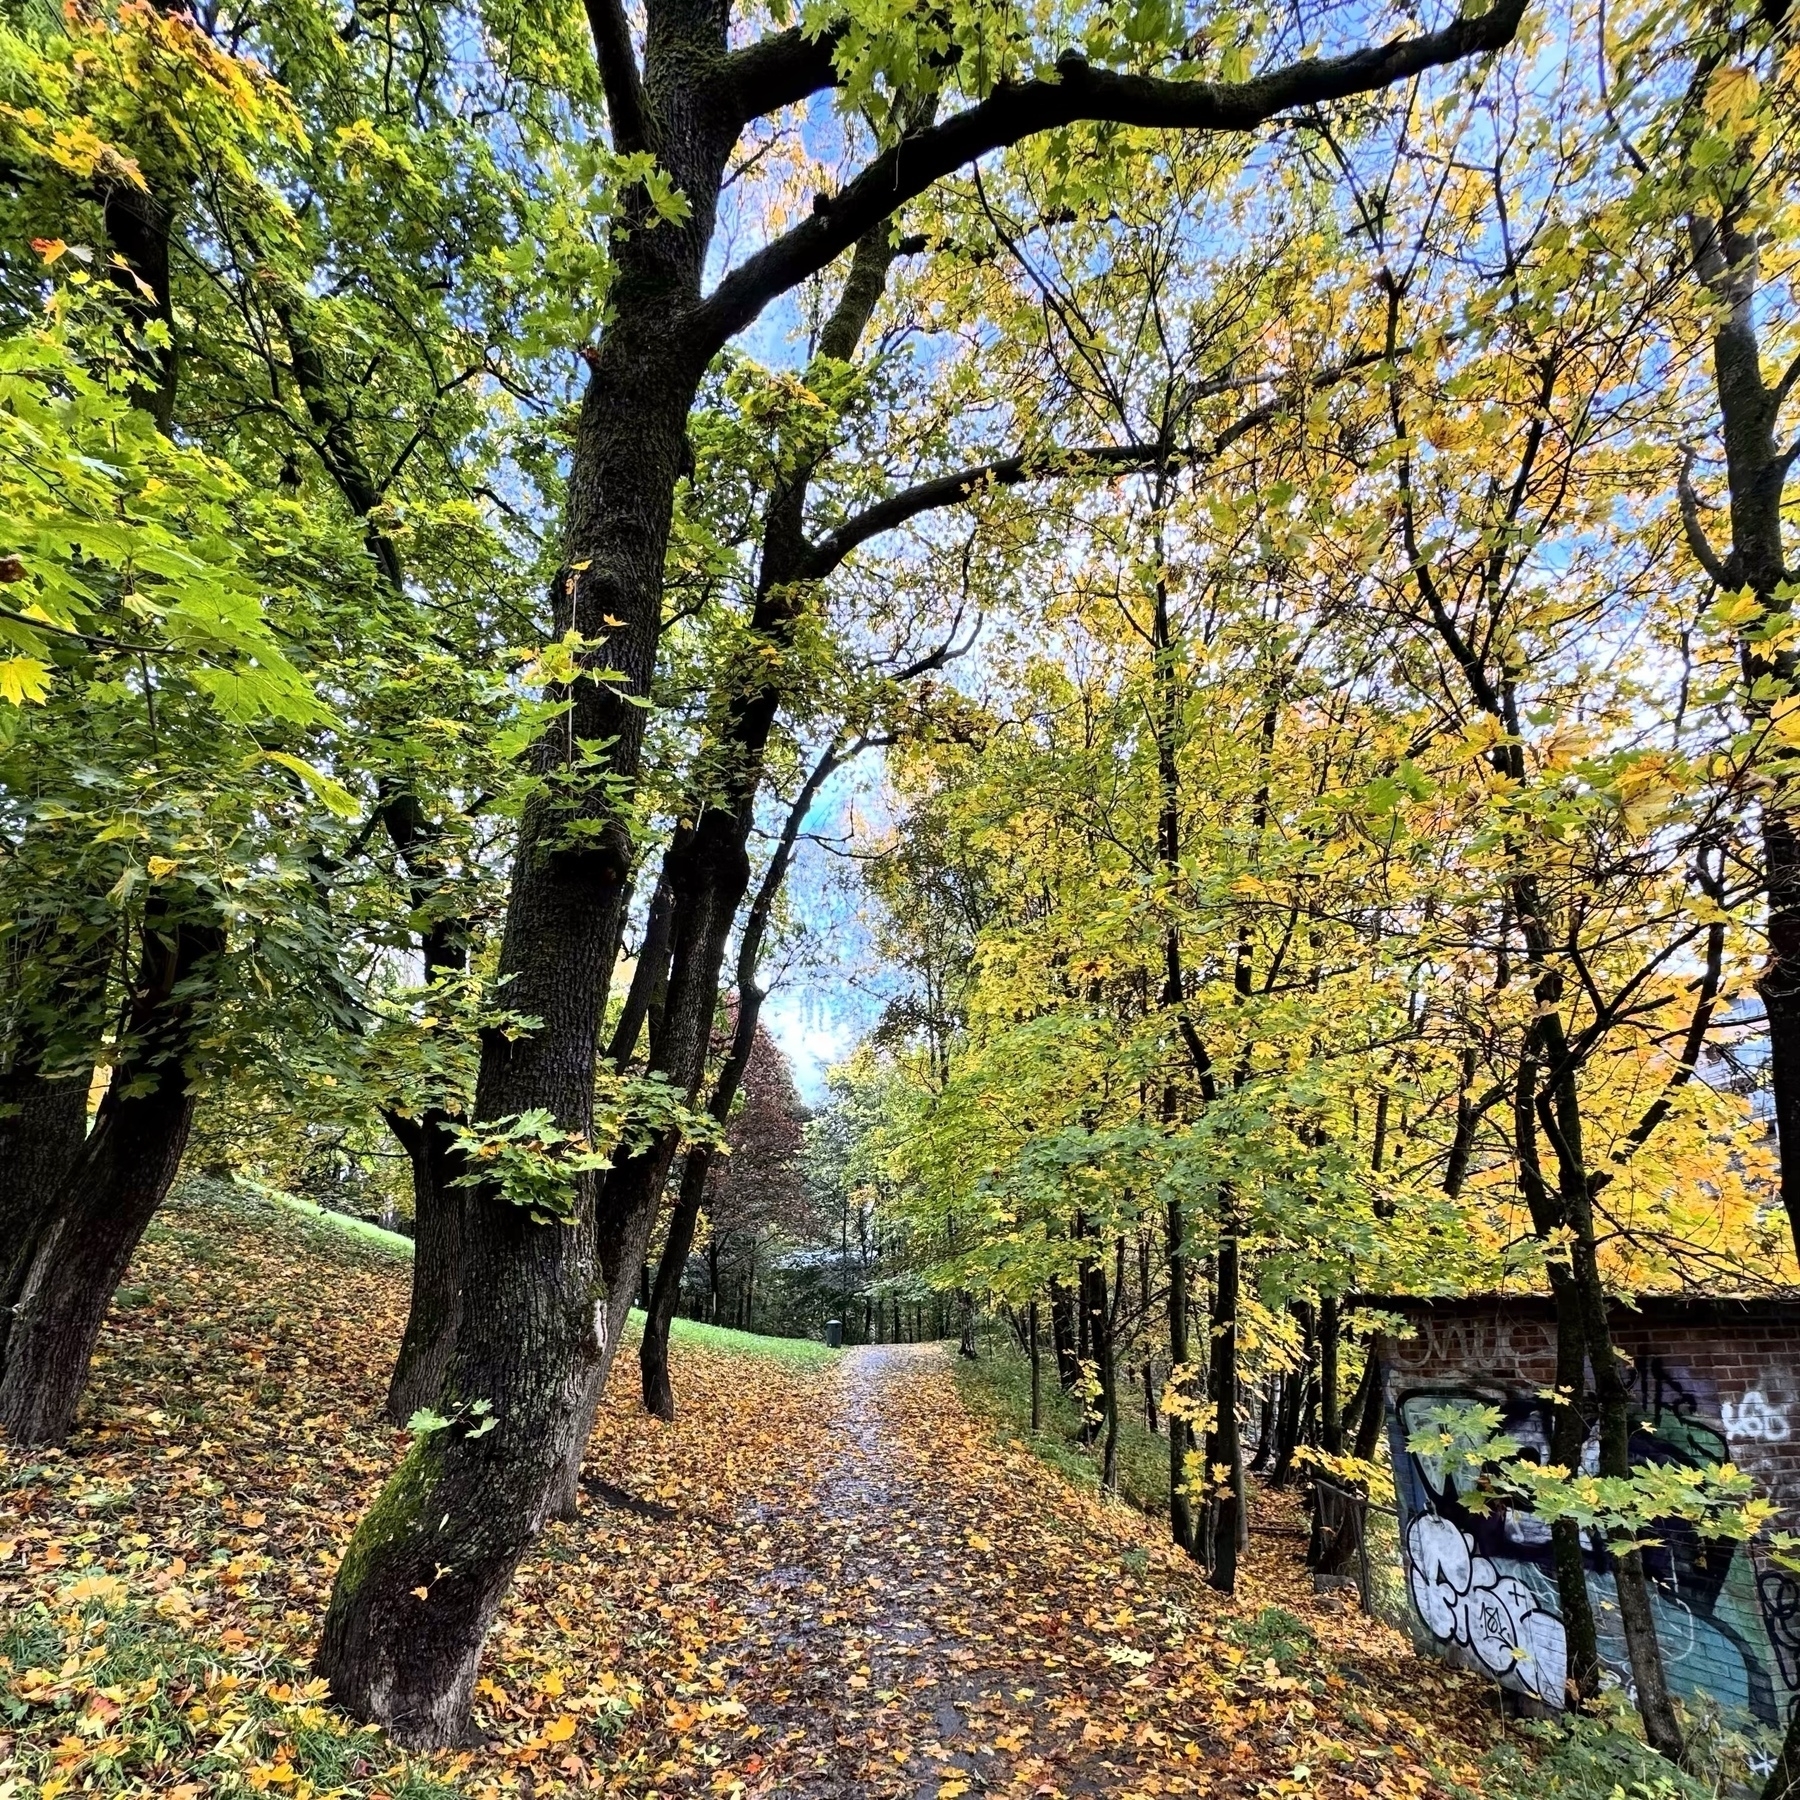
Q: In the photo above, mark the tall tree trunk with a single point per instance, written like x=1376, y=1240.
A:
x=649, y=975
x=436, y=1305
x=1062, y=1336
x=1584, y=1347
x=43, y=1116
x=1100, y=1336
x=1331, y=1431
x=1265, y=1430
x=43, y=1123
x=1224, y=1454
x=1290, y=1410
x=707, y=869
x=112, y=1189
x=542, y=1308
x=1037, y=1392
x=1727, y=258
x=665, y=1291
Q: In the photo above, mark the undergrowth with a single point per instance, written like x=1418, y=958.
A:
x=1585, y=1759
x=996, y=1385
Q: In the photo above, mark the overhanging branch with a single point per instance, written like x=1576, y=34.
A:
x=1017, y=110
x=618, y=74
x=1012, y=471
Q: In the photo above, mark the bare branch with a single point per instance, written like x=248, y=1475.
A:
x=1704, y=554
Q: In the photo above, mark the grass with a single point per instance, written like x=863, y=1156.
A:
x=801, y=1352
x=357, y=1228
x=104, y=1695
x=996, y=1386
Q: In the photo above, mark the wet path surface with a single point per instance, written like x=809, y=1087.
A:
x=920, y=1628
x=865, y=1595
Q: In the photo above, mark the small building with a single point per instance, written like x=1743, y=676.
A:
x=1714, y=1380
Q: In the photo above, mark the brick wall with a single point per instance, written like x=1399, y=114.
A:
x=1712, y=1381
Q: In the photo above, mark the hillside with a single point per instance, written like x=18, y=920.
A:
x=826, y=1579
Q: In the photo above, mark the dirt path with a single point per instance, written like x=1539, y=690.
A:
x=930, y=1613
x=900, y=1629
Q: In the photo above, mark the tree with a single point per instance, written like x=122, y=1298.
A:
x=547, y=1305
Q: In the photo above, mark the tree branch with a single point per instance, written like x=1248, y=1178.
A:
x=1016, y=110
x=1012, y=471
x=950, y=490
x=779, y=71
x=1704, y=554
x=618, y=74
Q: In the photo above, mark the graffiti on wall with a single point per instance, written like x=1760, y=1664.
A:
x=1483, y=1584
x=1754, y=1420
x=1465, y=1599
x=1492, y=1345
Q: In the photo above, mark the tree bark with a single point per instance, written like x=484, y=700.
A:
x=112, y=1189
x=1037, y=1403
x=1224, y=1454
x=43, y=1123
x=665, y=1291
x=436, y=1307
x=1331, y=1431
x=1100, y=1339
x=542, y=1305
x=1062, y=1336
x=649, y=976
x=1727, y=257
x=1265, y=1430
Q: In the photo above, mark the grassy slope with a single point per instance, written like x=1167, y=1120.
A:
x=997, y=1386
x=804, y=1352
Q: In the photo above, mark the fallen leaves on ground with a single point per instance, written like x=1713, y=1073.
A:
x=818, y=1583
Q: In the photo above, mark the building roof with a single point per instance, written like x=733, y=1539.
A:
x=1778, y=1308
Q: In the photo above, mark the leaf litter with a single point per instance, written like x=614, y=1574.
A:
x=821, y=1581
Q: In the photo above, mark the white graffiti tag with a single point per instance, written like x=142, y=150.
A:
x=1465, y=1600
x=1754, y=1419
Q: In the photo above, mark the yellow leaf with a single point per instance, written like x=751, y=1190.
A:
x=160, y=866
x=1731, y=95
x=23, y=678
x=334, y=794
x=559, y=1731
